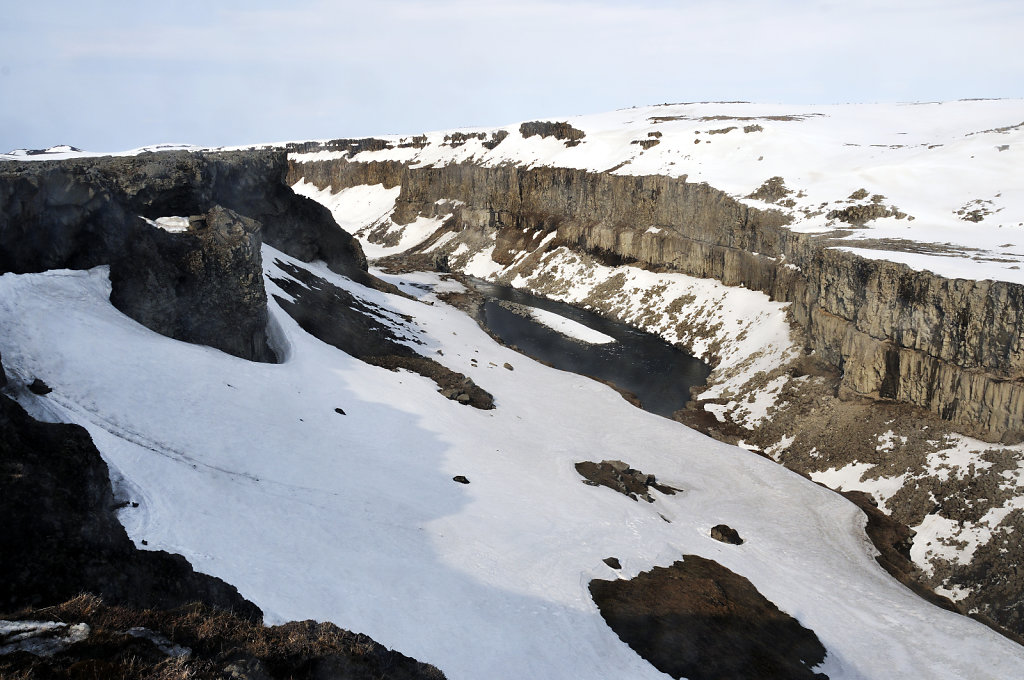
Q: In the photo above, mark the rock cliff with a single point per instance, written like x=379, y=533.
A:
x=951, y=346
x=203, y=285
x=175, y=283
x=78, y=213
x=63, y=536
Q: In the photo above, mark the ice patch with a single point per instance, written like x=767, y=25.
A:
x=175, y=225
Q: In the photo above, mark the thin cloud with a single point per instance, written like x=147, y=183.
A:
x=238, y=72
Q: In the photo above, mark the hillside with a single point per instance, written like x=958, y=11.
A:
x=325, y=485
x=843, y=344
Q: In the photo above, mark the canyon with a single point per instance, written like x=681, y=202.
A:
x=833, y=351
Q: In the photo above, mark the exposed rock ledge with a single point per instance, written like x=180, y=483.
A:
x=699, y=620
x=951, y=346
x=203, y=284
x=144, y=618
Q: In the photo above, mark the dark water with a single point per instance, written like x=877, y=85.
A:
x=658, y=373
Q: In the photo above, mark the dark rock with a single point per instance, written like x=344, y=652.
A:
x=37, y=386
x=508, y=366
x=860, y=214
x=612, y=562
x=196, y=641
x=338, y=318
x=698, y=620
x=499, y=136
x=367, y=332
x=339, y=411
x=460, y=479
x=79, y=213
x=563, y=130
x=247, y=668
x=618, y=476
x=204, y=285
x=774, y=189
x=726, y=534
x=62, y=537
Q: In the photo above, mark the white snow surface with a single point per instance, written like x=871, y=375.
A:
x=174, y=224
x=247, y=470
x=935, y=162
x=360, y=209
x=42, y=638
x=570, y=328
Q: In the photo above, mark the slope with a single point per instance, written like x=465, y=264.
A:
x=249, y=471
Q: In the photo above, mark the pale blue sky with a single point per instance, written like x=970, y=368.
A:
x=116, y=74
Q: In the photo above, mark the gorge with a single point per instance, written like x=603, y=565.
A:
x=832, y=350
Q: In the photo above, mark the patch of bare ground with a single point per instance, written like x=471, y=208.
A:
x=198, y=642
x=774, y=189
x=620, y=477
x=899, y=245
x=698, y=620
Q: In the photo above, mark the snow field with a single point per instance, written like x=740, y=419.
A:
x=247, y=470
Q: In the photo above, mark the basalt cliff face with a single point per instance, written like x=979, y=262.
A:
x=78, y=213
x=950, y=346
x=204, y=284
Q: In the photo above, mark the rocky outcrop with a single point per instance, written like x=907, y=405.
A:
x=203, y=285
x=62, y=536
x=148, y=613
x=368, y=332
x=698, y=620
x=194, y=641
x=620, y=477
x=78, y=213
x=559, y=130
x=950, y=346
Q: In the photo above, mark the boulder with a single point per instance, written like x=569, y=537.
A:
x=726, y=534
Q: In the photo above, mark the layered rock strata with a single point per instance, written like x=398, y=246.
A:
x=951, y=346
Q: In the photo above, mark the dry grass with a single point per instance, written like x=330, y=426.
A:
x=215, y=637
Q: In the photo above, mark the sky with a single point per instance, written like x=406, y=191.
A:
x=111, y=75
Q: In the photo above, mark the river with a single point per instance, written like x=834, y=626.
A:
x=658, y=373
